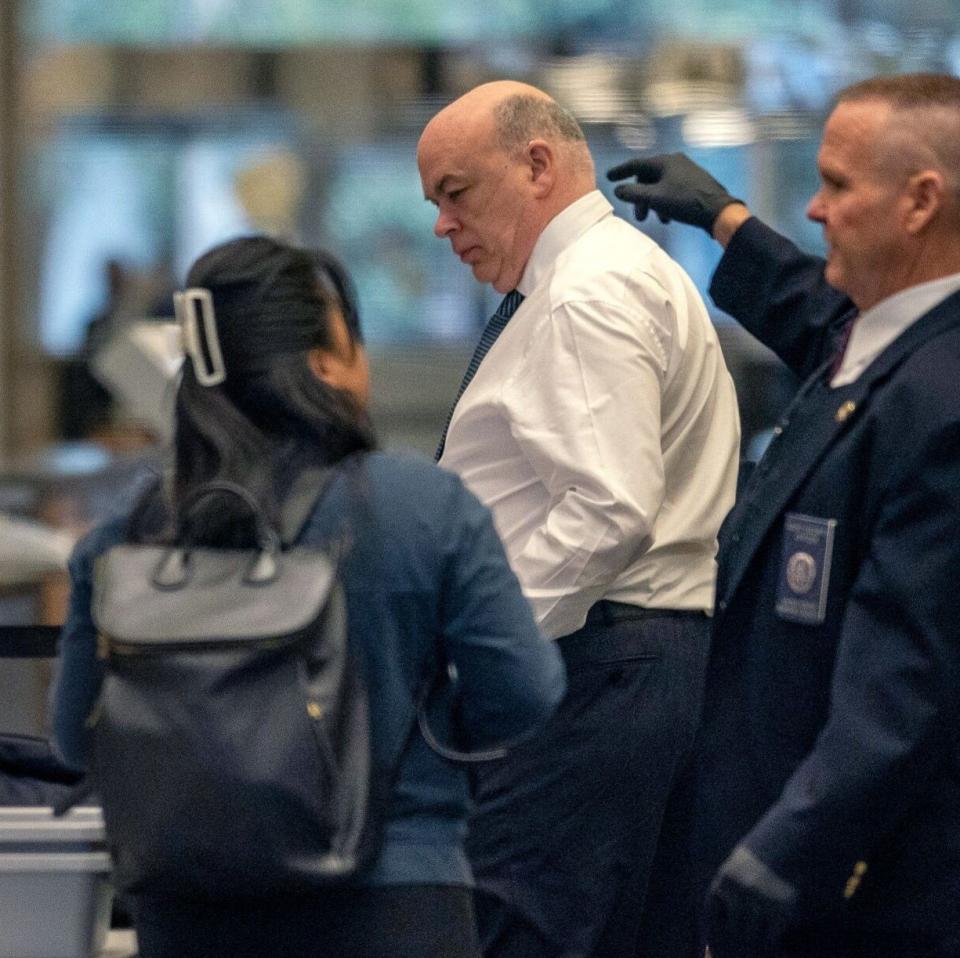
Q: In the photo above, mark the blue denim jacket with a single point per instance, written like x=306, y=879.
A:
x=426, y=581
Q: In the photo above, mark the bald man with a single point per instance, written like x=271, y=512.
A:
x=601, y=428
x=828, y=767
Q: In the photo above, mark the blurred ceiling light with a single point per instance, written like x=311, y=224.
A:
x=786, y=125
x=683, y=76
x=636, y=133
x=673, y=97
x=592, y=87
x=714, y=128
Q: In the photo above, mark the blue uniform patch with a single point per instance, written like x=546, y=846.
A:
x=805, y=568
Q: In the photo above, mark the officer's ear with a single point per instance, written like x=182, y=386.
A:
x=925, y=196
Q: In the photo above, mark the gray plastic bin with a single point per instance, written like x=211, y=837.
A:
x=55, y=893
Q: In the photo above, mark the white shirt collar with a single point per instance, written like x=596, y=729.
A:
x=559, y=233
x=880, y=325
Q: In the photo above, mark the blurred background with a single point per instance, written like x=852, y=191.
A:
x=136, y=133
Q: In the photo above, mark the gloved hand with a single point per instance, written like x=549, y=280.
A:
x=674, y=187
x=748, y=908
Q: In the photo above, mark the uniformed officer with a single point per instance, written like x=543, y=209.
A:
x=828, y=771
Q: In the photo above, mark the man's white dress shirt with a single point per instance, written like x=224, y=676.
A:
x=601, y=428
x=880, y=325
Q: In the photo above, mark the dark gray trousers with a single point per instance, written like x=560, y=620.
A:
x=579, y=840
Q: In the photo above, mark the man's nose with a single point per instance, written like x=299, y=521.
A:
x=444, y=225
x=815, y=208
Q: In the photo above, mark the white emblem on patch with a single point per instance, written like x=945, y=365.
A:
x=801, y=572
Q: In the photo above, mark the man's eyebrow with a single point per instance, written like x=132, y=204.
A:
x=442, y=185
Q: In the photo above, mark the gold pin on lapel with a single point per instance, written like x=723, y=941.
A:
x=843, y=413
x=853, y=882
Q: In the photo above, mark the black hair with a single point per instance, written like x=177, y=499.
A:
x=271, y=416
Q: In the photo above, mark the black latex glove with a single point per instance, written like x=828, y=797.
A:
x=674, y=187
x=748, y=908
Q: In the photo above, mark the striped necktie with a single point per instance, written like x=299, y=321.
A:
x=491, y=331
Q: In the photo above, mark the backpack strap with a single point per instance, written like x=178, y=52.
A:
x=306, y=491
x=442, y=685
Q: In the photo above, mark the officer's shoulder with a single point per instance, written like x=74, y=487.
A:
x=923, y=388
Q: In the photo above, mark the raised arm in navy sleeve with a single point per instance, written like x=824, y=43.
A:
x=778, y=293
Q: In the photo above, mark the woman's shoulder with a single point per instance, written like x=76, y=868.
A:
x=407, y=497
x=98, y=540
x=410, y=471
x=104, y=536
x=409, y=494
x=412, y=492
x=137, y=512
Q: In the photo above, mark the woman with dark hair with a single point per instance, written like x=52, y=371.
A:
x=275, y=382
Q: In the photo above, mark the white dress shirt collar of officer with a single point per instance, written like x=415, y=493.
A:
x=880, y=325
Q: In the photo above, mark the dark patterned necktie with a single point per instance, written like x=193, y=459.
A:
x=843, y=340
x=491, y=331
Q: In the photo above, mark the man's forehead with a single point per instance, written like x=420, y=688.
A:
x=858, y=118
x=851, y=125
x=458, y=130
x=440, y=168
x=445, y=163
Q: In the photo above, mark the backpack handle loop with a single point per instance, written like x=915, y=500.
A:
x=173, y=571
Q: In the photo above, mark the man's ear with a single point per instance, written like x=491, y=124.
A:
x=926, y=193
x=542, y=163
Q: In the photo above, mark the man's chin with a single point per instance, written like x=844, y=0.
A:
x=482, y=272
x=833, y=276
x=491, y=277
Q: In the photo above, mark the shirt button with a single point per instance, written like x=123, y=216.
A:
x=722, y=605
x=777, y=430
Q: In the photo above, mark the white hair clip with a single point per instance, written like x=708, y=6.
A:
x=185, y=308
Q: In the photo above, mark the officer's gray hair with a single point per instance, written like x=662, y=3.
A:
x=927, y=124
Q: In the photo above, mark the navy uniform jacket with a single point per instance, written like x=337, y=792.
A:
x=833, y=747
